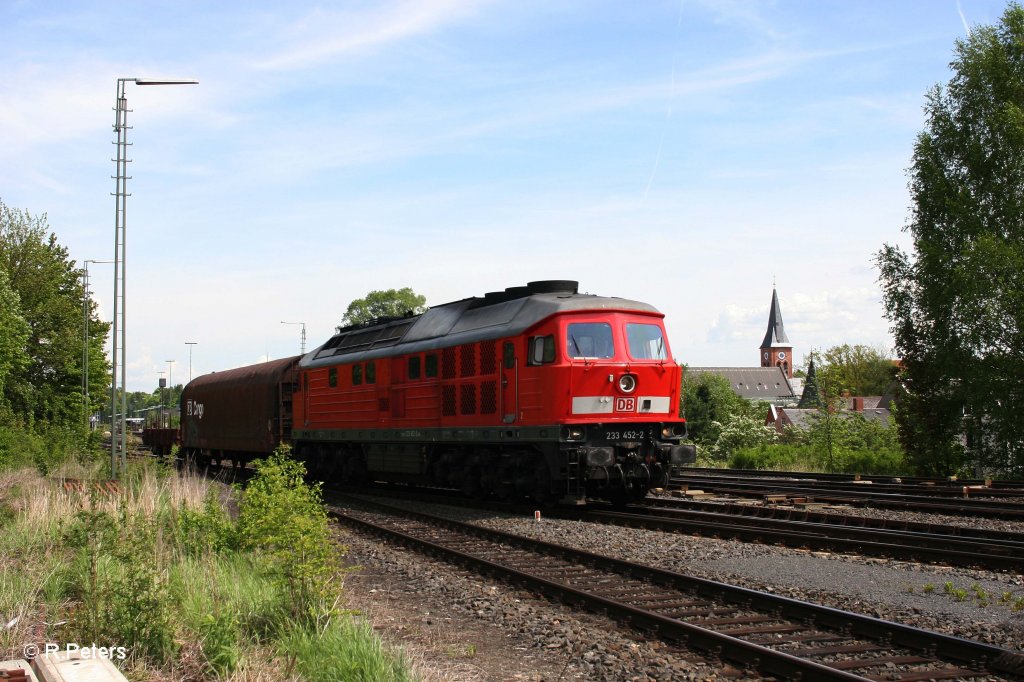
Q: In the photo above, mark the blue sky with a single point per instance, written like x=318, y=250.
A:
x=685, y=154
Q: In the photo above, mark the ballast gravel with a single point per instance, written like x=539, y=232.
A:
x=975, y=604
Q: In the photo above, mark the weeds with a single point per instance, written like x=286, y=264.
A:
x=980, y=595
x=160, y=567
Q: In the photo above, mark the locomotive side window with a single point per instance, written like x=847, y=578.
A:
x=414, y=367
x=589, y=340
x=371, y=373
x=332, y=377
x=430, y=366
x=509, y=353
x=645, y=342
x=542, y=350
x=357, y=375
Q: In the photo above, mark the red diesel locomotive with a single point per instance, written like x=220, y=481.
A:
x=537, y=391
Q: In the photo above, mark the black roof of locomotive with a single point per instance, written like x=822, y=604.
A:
x=494, y=316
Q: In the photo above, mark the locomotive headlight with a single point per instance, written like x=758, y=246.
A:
x=627, y=383
x=573, y=433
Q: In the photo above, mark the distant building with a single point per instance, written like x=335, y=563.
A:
x=802, y=417
x=776, y=350
x=752, y=383
x=773, y=381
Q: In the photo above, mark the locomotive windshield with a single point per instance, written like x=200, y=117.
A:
x=590, y=340
x=645, y=342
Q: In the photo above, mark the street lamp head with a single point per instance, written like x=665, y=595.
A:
x=163, y=81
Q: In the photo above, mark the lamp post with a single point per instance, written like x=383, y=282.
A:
x=162, y=385
x=85, y=338
x=120, y=203
x=170, y=388
x=303, y=346
x=190, y=344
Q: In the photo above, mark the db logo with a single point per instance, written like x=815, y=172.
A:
x=625, y=404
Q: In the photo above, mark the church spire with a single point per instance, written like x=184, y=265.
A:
x=776, y=350
x=776, y=334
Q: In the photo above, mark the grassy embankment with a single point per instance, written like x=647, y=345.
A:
x=196, y=580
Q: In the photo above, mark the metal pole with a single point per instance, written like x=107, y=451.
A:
x=170, y=388
x=120, y=203
x=120, y=119
x=86, y=315
x=85, y=345
x=303, y=337
x=190, y=344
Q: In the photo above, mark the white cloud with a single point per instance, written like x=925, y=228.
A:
x=321, y=35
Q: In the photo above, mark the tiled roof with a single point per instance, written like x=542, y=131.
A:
x=752, y=383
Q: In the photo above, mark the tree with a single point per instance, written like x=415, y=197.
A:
x=47, y=385
x=382, y=304
x=957, y=303
x=857, y=369
x=14, y=332
x=709, y=405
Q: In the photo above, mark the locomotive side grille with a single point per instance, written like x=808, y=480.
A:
x=448, y=363
x=467, y=399
x=488, y=358
x=448, y=401
x=467, y=360
x=489, y=397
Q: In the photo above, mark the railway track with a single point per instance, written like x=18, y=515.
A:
x=963, y=506
x=774, y=635
x=948, y=545
x=1004, y=553
x=907, y=483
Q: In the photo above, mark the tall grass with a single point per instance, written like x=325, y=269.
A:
x=345, y=650
x=160, y=566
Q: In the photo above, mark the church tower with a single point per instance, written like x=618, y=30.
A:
x=776, y=351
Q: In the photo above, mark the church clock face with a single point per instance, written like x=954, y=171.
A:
x=782, y=355
x=766, y=356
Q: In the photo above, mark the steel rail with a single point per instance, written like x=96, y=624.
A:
x=828, y=519
x=913, y=482
x=788, y=666
x=872, y=542
x=963, y=507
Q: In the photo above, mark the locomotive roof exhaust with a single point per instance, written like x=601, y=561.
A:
x=544, y=286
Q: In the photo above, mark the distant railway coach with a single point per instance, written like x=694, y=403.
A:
x=241, y=413
x=536, y=391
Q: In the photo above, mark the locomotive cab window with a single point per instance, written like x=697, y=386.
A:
x=542, y=350
x=332, y=377
x=430, y=366
x=589, y=340
x=414, y=368
x=645, y=342
x=371, y=373
x=357, y=375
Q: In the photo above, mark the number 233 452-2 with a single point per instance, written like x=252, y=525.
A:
x=623, y=435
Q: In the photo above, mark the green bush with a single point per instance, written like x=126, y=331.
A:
x=122, y=584
x=283, y=519
x=811, y=457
